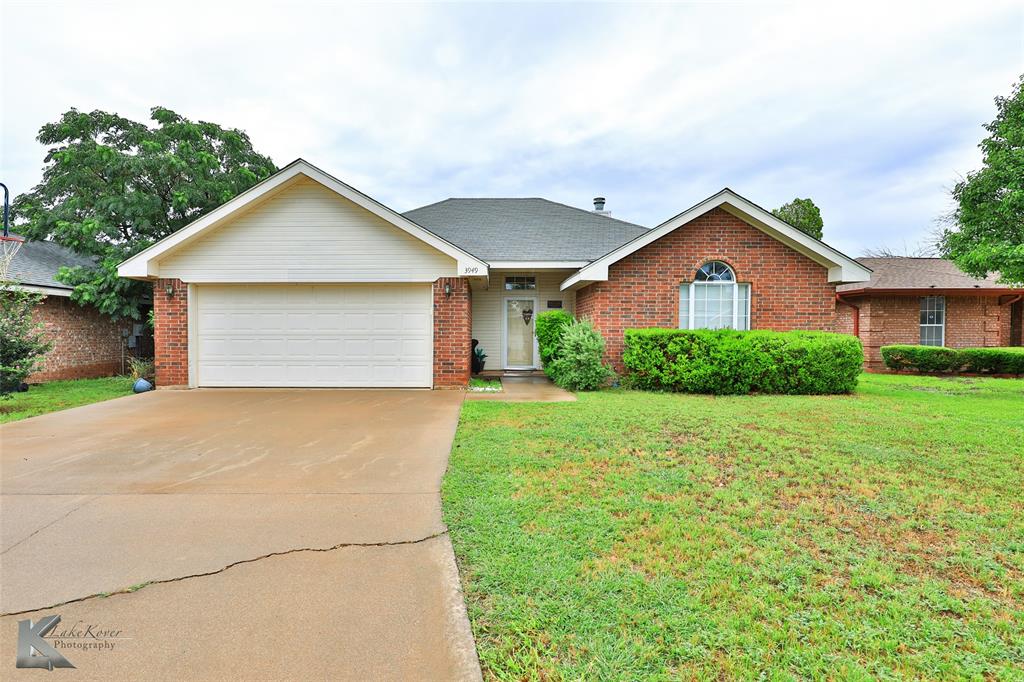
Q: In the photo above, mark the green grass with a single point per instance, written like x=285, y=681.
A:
x=485, y=384
x=655, y=536
x=60, y=395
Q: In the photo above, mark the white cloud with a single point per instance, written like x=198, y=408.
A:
x=872, y=110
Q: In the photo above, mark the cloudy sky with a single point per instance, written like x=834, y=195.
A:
x=873, y=111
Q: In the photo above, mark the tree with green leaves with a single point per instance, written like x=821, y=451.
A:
x=24, y=342
x=987, y=234
x=112, y=187
x=803, y=215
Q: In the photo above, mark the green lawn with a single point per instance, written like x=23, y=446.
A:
x=480, y=384
x=60, y=395
x=652, y=536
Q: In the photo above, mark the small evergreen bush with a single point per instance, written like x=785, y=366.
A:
x=578, y=364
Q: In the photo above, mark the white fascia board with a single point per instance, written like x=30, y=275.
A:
x=537, y=265
x=841, y=268
x=144, y=264
x=578, y=280
x=48, y=291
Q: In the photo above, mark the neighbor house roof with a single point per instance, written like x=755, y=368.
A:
x=36, y=265
x=524, y=229
x=916, y=274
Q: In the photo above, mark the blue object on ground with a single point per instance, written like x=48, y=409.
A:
x=141, y=386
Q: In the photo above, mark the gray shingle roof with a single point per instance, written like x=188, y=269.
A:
x=524, y=229
x=37, y=263
x=918, y=273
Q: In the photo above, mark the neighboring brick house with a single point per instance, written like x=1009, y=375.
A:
x=86, y=343
x=305, y=281
x=928, y=301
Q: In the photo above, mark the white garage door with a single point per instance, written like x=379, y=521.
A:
x=296, y=335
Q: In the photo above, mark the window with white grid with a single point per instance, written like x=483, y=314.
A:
x=714, y=300
x=520, y=283
x=933, y=320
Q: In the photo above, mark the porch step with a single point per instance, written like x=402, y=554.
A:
x=491, y=373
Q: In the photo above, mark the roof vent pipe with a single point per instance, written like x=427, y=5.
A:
x=598, y=204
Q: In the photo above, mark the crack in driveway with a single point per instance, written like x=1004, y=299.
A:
x=297, y=550
x=51, y=523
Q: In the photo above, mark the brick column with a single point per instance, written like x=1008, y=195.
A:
x=453, y=331
x=170, y=333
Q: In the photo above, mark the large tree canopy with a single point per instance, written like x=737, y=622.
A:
x=803, y=215
x=989, y=232
x=112, y=187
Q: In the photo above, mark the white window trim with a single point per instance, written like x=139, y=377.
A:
x=922, y=325
x=692, y=295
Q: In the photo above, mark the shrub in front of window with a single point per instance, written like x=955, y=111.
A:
x=921, y=358
x=940, y=359
x=724, y=361
x=549, y=327
x=578, y=364
x=994, y=360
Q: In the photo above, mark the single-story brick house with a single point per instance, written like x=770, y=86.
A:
x=928, y=301
x=304, y=281
x=86, y=343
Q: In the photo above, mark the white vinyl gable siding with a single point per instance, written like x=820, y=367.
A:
x=309, y=234
x=489, y=306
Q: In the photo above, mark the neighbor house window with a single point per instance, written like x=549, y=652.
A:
x=520, y=283
x=714, y=300
x=933, y=321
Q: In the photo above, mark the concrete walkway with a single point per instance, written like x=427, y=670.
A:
x=527, y=389
x=271, y=534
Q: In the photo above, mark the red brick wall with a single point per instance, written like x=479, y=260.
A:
x=788, y=290
x=844, y=318
x=971, y=321
x=453, y=323
x=170, y=333
x=86, y=343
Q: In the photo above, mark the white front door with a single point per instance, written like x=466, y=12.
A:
x=519, y=340
x=351, y=335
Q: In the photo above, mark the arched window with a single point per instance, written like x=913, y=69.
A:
x=714, y=300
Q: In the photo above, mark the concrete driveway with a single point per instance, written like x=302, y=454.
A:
x=243, y=534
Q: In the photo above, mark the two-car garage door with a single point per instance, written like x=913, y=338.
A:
x=350, y=335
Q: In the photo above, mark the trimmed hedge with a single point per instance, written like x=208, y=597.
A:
x=921, y=358
x=942, y=359
x=725, y=361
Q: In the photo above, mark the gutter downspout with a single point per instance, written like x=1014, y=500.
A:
x=856, y=313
